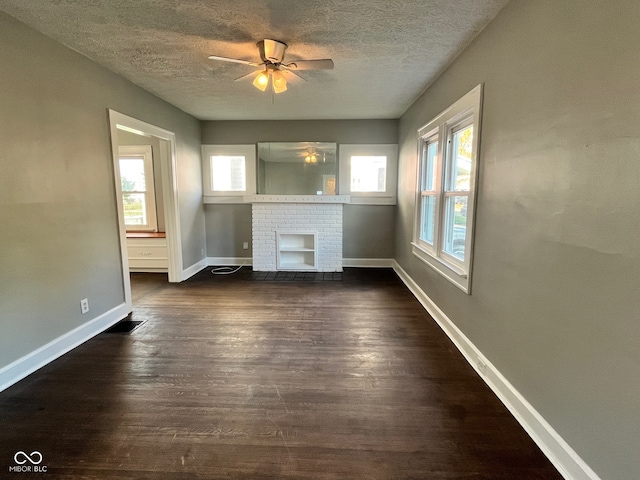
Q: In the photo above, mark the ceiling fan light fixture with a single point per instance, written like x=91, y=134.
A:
x=261, y=81
x=272, y=53
x=279, y=81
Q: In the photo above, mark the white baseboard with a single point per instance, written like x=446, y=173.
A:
x=193, y=269
x=19, y=369
x=346, y=262
x=368, y=262
x=563, y=457
x=229, y=261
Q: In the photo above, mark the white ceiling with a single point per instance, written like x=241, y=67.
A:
x=386, y=52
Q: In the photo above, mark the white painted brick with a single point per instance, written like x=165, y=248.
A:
x=324, y=219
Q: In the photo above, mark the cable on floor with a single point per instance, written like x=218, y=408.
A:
x=226, y=270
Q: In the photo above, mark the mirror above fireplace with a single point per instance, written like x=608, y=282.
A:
x=297, y=168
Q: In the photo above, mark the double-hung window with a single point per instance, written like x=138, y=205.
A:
x=135, y=164
x=447, y=170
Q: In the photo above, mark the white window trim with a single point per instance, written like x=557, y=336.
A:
x=249, y=154
x=469, y=106
x=144, y=151
x=388, y=197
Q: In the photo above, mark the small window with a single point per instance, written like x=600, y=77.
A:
x=135, y=164
x=447, y=166
x=228, y=172
x=368, y=173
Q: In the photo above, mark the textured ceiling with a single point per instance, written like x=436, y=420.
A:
x=385, y=51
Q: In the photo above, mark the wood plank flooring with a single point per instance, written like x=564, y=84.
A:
x=236, y=378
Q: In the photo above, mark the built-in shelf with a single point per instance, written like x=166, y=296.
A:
x=297, y=251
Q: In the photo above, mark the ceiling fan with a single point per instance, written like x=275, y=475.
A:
x=273, y=65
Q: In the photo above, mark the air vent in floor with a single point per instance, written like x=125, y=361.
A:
x=125, y=326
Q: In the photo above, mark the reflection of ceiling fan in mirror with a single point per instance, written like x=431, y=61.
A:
x=273, y=66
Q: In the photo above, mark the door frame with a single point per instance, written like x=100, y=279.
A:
x=167, y=161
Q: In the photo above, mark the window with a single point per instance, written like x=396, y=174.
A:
x=135, y=164
x=447, y=169
x=229, y=172
x=369, y=173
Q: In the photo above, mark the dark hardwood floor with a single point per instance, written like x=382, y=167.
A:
x=232, y=377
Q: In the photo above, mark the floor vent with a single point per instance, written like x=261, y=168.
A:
x=125, y=326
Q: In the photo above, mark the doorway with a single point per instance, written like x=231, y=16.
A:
x=122, y=126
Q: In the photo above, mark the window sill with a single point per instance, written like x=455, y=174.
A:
x=450, y=272
x=224, y=198
x=146, y=235
x=364, y=199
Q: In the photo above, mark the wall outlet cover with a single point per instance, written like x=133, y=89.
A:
x=84, y=305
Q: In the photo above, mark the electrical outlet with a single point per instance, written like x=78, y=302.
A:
x=84, y=305
x=245, y=245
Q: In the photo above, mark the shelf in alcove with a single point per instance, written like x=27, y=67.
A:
x=297, y=251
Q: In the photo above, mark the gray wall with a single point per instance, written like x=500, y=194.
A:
x=59, y=239
x=368, y=230
x=557, y=265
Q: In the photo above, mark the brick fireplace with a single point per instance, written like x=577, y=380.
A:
x=297, y=232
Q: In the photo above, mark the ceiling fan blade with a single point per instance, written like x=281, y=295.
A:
x=323, y=64
x=295, y=75
x=234, y=60
x=242, y=77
